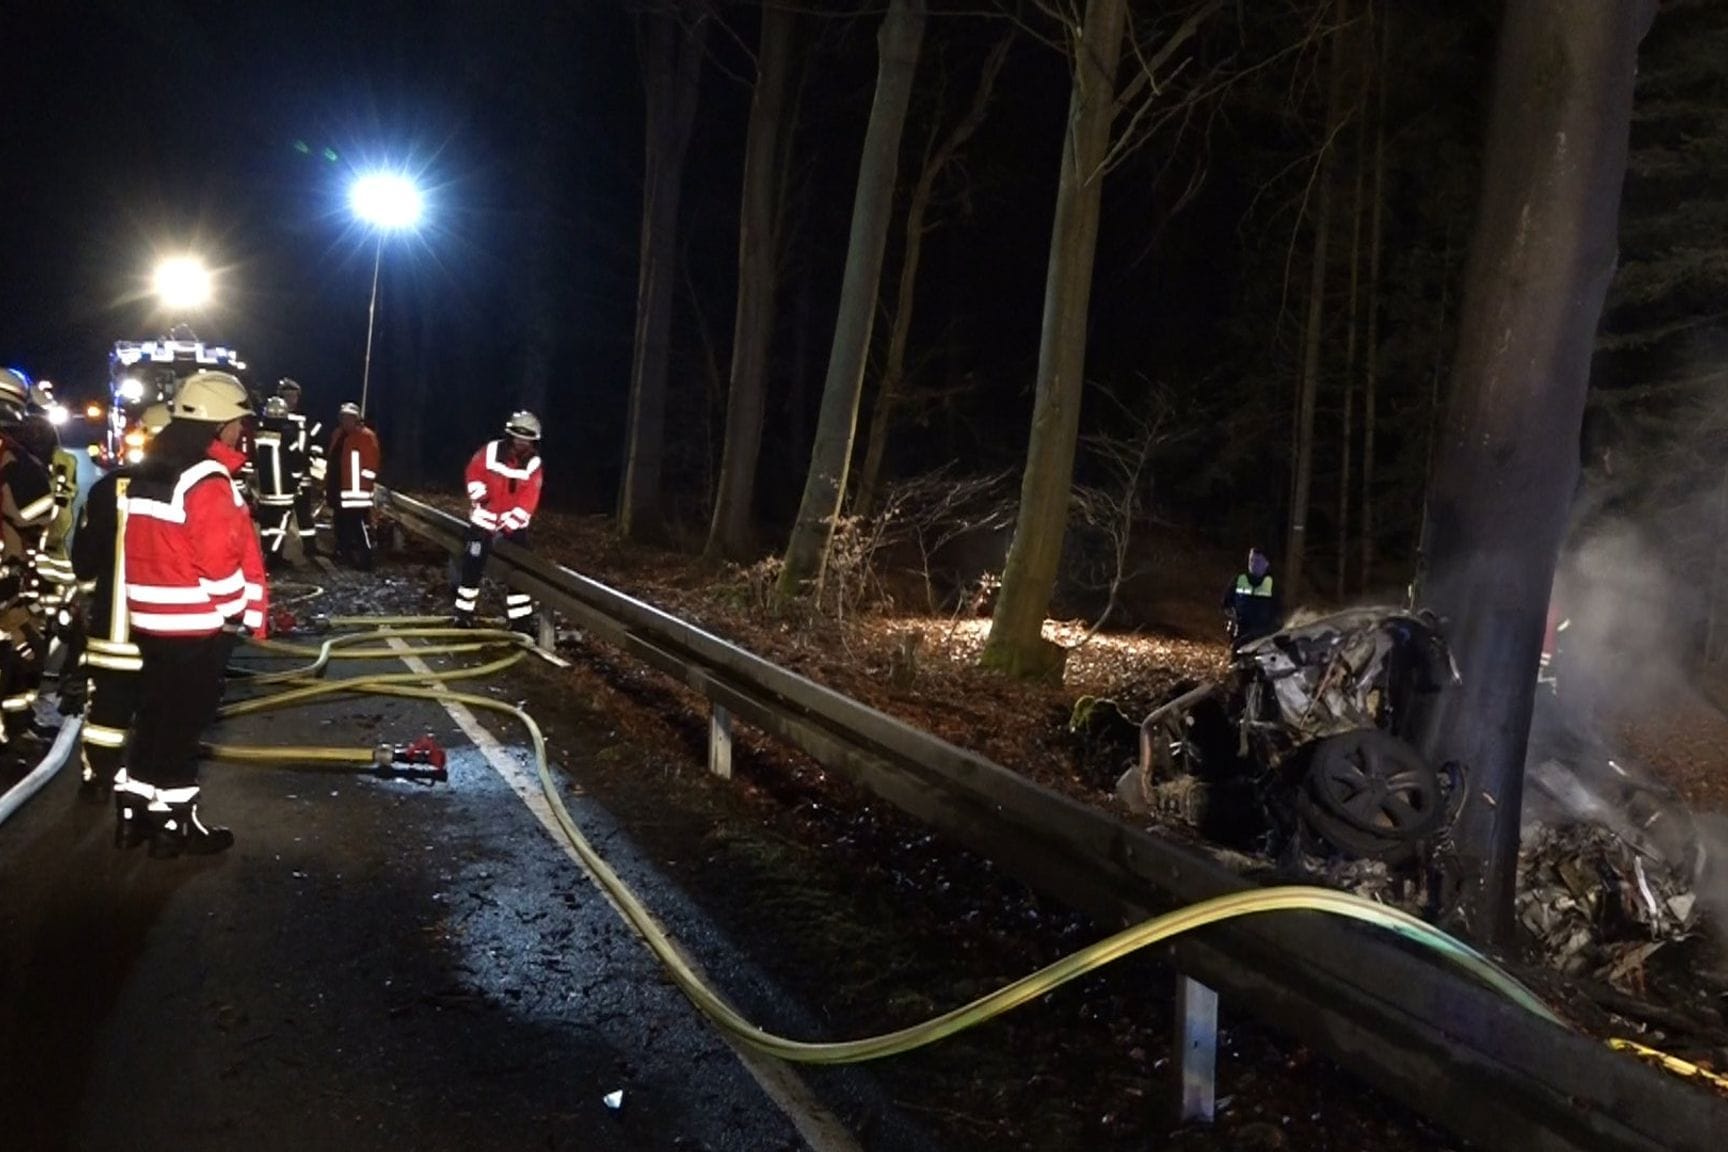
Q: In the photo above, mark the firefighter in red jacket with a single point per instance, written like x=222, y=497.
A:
x=194, y=580
x=503, y=492
x=353, y=474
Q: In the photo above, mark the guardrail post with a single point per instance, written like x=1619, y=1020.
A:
x=720, y=743
x=1197, y=1048
x=548, y=630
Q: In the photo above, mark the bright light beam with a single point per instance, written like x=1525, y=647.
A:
x=386, y=200
x=182, y=283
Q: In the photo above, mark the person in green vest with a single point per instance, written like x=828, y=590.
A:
x=1252, y=601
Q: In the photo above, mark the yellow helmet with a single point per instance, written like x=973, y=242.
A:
x=156, y=418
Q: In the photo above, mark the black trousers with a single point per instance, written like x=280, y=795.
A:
x=112, y=703
x=74, y=682
x=275, y=521
x=354, y=537
x=21, y=678
x=305, y=520
x=181, y=688
x=476, y=547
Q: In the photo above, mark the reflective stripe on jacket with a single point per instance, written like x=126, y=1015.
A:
x=191, y=562
x=273, y=462
x=503, y=494
x=356, y=455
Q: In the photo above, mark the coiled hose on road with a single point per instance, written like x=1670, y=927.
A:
x=306, y=684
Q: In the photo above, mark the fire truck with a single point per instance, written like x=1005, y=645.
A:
x=142, y=373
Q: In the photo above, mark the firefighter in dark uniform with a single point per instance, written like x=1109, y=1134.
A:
x=110, y=661
x=194, y=579
x=1252, y=601
x=277, y=485
x=26, y=510
x=503, y=493
x=303, y=453
x=53, y=579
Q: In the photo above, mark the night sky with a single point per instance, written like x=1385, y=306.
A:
x=139, y=130
x=145, y=129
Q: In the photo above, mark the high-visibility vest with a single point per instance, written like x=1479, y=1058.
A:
x=356, y=456
x=503, y=494
x=1246, y=587
x=192, y=563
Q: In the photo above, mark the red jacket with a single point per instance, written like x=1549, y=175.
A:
x=504, y=492
x=355, y=456
x=192, y=562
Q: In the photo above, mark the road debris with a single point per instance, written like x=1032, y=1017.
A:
x=1594, y=905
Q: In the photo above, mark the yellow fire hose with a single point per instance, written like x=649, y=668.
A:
x=302, y=688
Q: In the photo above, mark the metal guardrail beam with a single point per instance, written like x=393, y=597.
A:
x=1425, y=1035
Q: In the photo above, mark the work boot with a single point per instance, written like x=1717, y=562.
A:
x=21, y=732
x=462, y=620
x=93, y=783
x=133, y=821
x=181, y=832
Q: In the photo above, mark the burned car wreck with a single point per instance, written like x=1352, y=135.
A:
x=1302, y=756
x=1304, y=746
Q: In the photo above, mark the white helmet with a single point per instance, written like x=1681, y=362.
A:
x=349, y=409
x=14, y=388
x=523, y=426
x=155, y=418
x=275, y=407
x=215, y=397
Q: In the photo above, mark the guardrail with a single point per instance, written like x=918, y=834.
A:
x=1441, y=1044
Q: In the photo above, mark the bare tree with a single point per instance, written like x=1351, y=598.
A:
x=729, y=531
x=1371, y=353
x=898, y=43
x=1352, y=312
x=1095, y=43
x=1296, y=543
x=939, y=151
x=672, y=71
x=1540, y=263
x=1117, y=509
x=933, y=510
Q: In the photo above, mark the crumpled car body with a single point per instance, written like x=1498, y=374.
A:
x=1306, y=738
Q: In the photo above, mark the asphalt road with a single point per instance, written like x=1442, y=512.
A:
x=375, y=964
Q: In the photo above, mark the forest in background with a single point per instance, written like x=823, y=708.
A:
x=1288, y=130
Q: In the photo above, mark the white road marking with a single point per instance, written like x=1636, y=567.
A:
x=820, y=1128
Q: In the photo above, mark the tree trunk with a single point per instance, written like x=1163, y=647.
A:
x=730, y=531
x=1016, y=644
x=1371, y=354
x=1347, y=429
x=673, y=66
x=1296, y=545
x=1540, y=263
x=936, y=158
x=898, y=42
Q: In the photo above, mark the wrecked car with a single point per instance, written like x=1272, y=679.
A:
x=1305, y=743
x=1614, y=865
